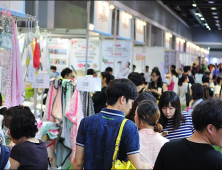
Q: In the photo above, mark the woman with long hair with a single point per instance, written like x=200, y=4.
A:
x=176, y=124
x=156, y=86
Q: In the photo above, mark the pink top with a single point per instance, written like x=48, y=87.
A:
x=150, y=145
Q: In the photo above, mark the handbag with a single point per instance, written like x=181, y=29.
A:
x=171, y=86
x=188, y=97
x=117, y=164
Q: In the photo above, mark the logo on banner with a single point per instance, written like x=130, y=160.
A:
x=103, y=18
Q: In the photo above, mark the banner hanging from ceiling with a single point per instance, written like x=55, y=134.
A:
x=125, y=26
x=139, y=30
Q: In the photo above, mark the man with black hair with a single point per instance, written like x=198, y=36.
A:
x=67, y=73
x=187, y=70
x=137, y=80
x=110, y=70
x=196, y=152
x=134, y=68
x=91, y=72
x=147, y=74
x=97, y=134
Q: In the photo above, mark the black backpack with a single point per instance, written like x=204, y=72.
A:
x=5, y=153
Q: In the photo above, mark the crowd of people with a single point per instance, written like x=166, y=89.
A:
x=169, y=123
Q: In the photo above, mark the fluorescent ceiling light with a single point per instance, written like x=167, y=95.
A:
x=216, y=17
x=211, y=2
x=202, y=19
x=217, y=24
x=219, y=28
x=213, y=8
x=217, y=20
x=214, y=13
x=194, y=5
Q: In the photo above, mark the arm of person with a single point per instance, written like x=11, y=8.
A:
x=164, y=87
x=79, y=158
x=14, y=164
x=137, y=163
x=168, y=80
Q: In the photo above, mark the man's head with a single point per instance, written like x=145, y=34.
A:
x=121, y=93
x=134, y=67
x=147, y=68
x=53, y=69
x=110, y=70
x=91, y=72
x=187, y=69
x=172, y=67
x=135, y=78
x=207, y=120
x=67, y=73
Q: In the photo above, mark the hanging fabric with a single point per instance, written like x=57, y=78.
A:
x=4, y=57
x=36, y=59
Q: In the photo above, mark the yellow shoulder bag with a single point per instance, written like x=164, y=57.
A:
x=117, y=164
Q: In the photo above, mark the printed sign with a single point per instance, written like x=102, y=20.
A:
x=88, y=84
x=102, y=18
x=41, y=81
x=124, y=25
x=139, y=31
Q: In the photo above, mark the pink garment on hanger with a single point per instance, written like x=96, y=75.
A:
x=36, y=56
x=75, y=114
x=57, y=106
x=17, y=85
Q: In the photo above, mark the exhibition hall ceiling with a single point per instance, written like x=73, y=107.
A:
x=198, y=13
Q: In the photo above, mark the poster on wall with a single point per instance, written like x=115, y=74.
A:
x=178, y=44
x=59, y=53
x=122, y=63
x=139, y=30
x=124, y=25
x=102, y=18
x=139, y=58
x=78, y=54
x=166, y=62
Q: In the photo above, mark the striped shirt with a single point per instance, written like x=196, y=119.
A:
x=185, y=130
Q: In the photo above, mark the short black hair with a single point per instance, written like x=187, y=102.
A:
x=218, y=79
x=53, y=68
x=90, y=71
x=66, y=72
x=23, y=123
x=109, y=69
x=107, y=76
x=142, y=74
x=134, y=66
x=207, y=112
x=166, y=98
x=197, y=91
x=186, y=68
x=147, y=66
x=205, y=78
x=135, y=78
x=173, y=67
x=143, y=96
x=112, y=77
x=118, y=88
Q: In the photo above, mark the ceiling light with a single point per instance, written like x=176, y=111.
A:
x=130, y=16
x=217, y=20
x=91, y=27
x=217, y=24
x=202, y=19
x=216, y=17
x=111, y=6
x=219, y=28
x=209, y=29
x=213, y=8
x=211, y=2
x=214, y=13
x=194, y=5
x=144, y=23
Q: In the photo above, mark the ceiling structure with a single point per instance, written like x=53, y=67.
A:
x=198, y=13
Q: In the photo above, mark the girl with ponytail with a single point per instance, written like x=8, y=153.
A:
x=146, y=118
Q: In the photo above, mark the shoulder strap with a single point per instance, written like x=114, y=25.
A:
x=5, y=153
x=118, y=140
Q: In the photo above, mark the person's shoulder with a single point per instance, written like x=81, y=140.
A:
x=186, y=115
x=130, y=124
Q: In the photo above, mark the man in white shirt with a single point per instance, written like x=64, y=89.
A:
x=147, y=74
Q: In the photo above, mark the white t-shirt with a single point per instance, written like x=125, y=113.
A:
x=175, y=80
x=217, y=89
x=182, y=90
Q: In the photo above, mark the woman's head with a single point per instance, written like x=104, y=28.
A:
x=219, y=79
x=197, y=91
x=147, y=112
x=127, y=64
x=184, y=79
x=169, y=105
x=205, y=78
x=23, y=123
x=105, y=78
x=156, y=76
x=143, y=96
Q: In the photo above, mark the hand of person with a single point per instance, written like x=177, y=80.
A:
x=191, y=102
x=164, y=133
x=11, y=144
x=153, y=90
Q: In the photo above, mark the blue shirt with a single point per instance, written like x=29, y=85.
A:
x=98, y=133
x=185, y=130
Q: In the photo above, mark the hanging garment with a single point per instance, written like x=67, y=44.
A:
x=45, y=57
x=17, y=85
x=36, y=59
x=4, y=57
x=87, y=104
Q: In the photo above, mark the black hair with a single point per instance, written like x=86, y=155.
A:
x=142, y=74
x=218, y=79
x=220, y=70
x=109, y=69
x=0, y=99
x=197, y=91
x=207, y=112
x=183, y=78
x=144, y=80
x=149, y=112
x=118, y=88
x=134, y=66
x=172, y=98
x=23, y=123
x=186, y=68
x=90, y=71
x=66, y=72
x=53, y=68
x=112, y=77
x=147, y=66
x=107, y=76
x=205, y=78
x=159, y=82
x=155, y=68
x=143, y=96
x=173, y=67
x=128, y=63
x=135, y=78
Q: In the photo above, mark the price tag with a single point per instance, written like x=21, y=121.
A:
x=31, y=74
x=41, y=81
x=88, y=84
